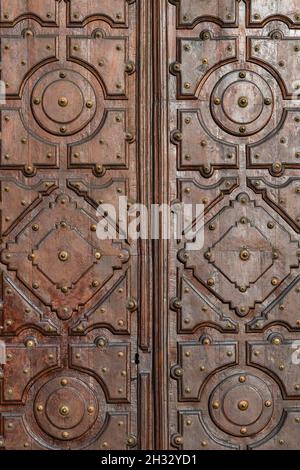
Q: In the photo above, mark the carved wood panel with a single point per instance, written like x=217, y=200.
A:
x=233, y=145
x=71, y=305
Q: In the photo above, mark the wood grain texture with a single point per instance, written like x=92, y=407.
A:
x=75, y=134
x=233, y=123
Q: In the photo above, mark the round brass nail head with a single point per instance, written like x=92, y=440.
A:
x=243, y=102
x=63, y=102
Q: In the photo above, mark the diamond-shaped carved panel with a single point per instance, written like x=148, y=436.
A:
x=58, y=253
x=272, y=255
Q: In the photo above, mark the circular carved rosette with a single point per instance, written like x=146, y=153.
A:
x=65, y=408
x=63, y=102
x=241, y=405
x=242, y=103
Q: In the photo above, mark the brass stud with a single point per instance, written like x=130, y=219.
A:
x=63, y=256
x=243, y=430
x=98, y=255
x=63, y=101
x=242, y=74
x=216, y=404
x=93, y=227
x=129, y=67
x=40, y=408
x=63, y=129
x=91, y=409
x=64, y=410
x=131, y=304
x=178, y=440
x=95, y=283
x=243, y=102
x=89, y=104
x=187, y=85
x=242, y=379
x=244, y=255
x=176, y=67
x=210, y=282
x=274, y=281
x=178, y=136
x=217, y=101
x=267, y=101
x=242, y=129
x=65, y=435
x=29, y=169
x=268, y=403
x=35, y=285
x=37, y=101
x=297, y=387
x=243, y=405
x=29, y=343
x=64, y=382
x=276, y=341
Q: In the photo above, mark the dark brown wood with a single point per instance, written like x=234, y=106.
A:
x=75, y=134
x=122, y=344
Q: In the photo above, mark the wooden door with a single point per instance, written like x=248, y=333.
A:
x=230, y=138
x=86, y=82
x=74, y=312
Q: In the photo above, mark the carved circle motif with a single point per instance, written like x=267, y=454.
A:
x=241, y=405
x=242, y=105
x=63, y=102
x=66, y=408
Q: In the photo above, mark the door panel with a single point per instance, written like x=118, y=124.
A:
x=71, y=302
x=233, y=145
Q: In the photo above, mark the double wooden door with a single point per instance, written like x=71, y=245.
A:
x=121, y=344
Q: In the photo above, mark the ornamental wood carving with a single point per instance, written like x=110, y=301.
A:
x=233, y=144
x=71, y=304
x=118, y=344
